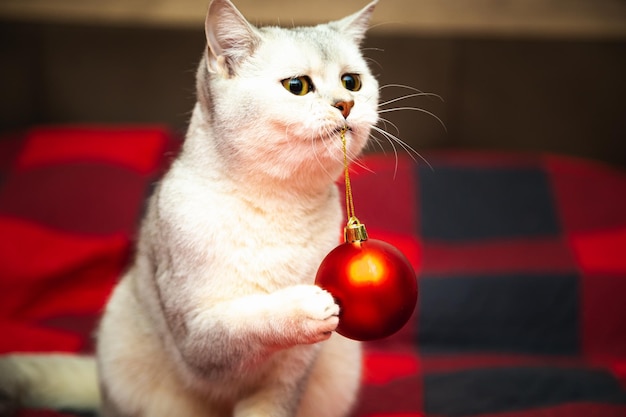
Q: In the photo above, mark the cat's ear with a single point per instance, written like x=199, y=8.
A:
x=356, y=24
x=230, y=38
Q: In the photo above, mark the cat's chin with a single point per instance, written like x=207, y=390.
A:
x=332, y=140
x=353, y=138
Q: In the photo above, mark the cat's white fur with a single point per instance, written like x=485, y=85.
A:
x=218, y=315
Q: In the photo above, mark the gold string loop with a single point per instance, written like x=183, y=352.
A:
x=354, y=230
x=346, y=170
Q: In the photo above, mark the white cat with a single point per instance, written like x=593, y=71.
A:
x=218, y=315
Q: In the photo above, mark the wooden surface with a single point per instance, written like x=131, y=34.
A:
x=534, y=18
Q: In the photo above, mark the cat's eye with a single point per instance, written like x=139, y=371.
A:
x=351, y=82
x=298, y=85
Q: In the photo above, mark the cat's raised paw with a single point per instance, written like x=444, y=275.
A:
x=316, y=309
x=315, y=302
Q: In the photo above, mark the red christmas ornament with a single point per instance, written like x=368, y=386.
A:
x=372, y=282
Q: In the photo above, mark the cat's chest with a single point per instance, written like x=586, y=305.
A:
x=273, y=235
x=271, y=246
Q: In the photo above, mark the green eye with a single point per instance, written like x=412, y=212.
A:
x=351, y=82
x=298, y=85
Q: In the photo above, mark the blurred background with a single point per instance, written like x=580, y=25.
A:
x=523, y=75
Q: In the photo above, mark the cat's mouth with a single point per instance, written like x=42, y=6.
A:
x=333, y=134
x=342, y=129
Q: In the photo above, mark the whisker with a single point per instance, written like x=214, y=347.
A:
x=390, y=123
x=409, y=150
x=373, y=61
x=357, y=161
x=385, y=123
x=419, y=110
x=420, y=94
x=393, y=147
x=353, y=158
x=317, y=158
x=330, y=136
x=407, y=87
x=373, y=49
x=375, y=141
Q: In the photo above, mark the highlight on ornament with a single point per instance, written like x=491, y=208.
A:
x=373, y=283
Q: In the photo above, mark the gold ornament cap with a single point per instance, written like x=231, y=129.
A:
x=354, y=231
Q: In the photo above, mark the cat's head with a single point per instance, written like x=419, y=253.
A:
x=277, y=98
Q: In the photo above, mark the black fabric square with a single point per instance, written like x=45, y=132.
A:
x=535, y=314
x=490, y=391
x=459, y=204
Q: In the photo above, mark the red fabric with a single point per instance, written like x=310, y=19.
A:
x=381, y=367
x=137, y=148
x=537, y=254
x=601, y=251
x=592, y=202
x=604, y=315
x=70, y=202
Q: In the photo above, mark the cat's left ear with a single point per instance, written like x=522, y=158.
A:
x=230, y=38
x=356, y=25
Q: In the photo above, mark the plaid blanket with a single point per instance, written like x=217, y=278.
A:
x=521, y=262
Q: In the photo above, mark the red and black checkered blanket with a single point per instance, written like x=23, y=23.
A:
x=521, y=262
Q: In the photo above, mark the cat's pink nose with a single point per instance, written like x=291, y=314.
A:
x=345, y=107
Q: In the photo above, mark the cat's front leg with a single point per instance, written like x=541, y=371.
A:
x=247, y=335
x=288, y=323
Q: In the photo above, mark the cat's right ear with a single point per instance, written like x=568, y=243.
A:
x=356, y=25
x=230, y=38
